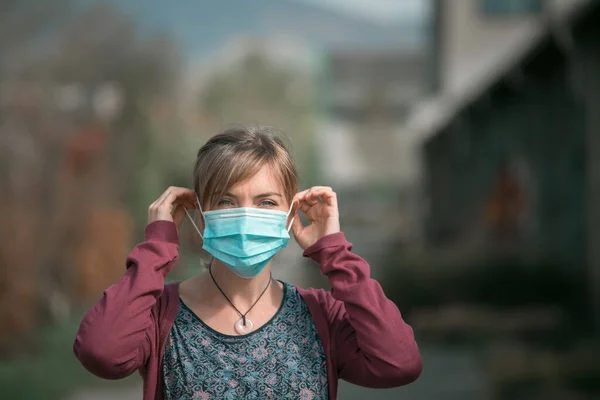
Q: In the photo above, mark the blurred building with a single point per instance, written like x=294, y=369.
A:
x=511, y=139
x=365, y=97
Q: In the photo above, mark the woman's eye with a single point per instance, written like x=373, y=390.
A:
x=268, y=203
x=225, y=202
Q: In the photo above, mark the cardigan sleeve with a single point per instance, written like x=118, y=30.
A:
x=115, y=335
x=372, y=344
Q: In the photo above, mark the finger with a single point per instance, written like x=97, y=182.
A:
x=320, y=191
x=314, y=196
x=306, y=197
x=186, y=195
x=299, y=199
x=300, y=195
x=316, y=191
x=178, y=215
x=310, y=199
x=182, y=193
x=158, y=201
x=326, y=194
x=316, y=188
x=164, y=195
x=187, y=204
x=177, y=193
x=184, y=205
x=304, y=206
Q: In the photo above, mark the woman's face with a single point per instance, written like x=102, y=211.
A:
x=262, y=190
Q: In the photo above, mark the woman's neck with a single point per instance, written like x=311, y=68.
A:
x=242, y=292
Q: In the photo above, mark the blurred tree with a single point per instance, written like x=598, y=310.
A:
x=75, y=139
x=258, y=91
x=24, y=21
x=101, y=48
x=22, y=24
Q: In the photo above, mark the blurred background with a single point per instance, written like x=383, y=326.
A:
x=462, y=138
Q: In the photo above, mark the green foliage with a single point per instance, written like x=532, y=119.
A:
x=51, y=374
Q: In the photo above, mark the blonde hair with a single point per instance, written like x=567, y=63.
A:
x=237, y=154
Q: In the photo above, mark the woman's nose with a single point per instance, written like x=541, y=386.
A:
x=246, y=203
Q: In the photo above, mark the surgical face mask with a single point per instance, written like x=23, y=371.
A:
x=244, y=239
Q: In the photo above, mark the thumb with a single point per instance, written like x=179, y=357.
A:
x=179, y=215
x=297, y=226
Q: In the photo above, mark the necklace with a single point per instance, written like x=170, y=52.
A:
x=243, y=325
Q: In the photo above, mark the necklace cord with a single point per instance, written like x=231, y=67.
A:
x=231, y=303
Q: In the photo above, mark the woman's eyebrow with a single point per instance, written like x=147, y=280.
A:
x=268, y=194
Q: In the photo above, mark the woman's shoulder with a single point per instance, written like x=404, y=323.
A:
x=168, y=303
x=312, y=292
x=171, y=290
x=320, y=297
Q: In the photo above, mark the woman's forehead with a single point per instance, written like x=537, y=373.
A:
x=266, y=180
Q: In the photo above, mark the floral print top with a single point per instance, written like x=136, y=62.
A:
x=283, y=359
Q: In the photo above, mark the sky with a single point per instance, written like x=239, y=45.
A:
x=381, y=11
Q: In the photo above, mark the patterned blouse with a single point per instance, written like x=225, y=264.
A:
x=283, y=359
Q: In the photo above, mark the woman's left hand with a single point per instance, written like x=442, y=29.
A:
x=319, y=204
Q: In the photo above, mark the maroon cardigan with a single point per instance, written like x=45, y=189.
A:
x=364, y=337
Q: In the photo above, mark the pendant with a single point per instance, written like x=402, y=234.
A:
x=244, y=329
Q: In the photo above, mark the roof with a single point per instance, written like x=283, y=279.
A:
x=433, y=114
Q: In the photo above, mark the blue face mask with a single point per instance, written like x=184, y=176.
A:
x=244, y=239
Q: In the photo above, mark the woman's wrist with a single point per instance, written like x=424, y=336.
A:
x=162, y=231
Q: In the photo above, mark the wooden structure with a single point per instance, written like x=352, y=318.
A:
x=531, y=143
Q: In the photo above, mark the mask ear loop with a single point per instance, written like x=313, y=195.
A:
x=192, y=219
x=288, y=214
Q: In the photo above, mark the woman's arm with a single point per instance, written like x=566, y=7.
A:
x=373, y=345
x=114, y=338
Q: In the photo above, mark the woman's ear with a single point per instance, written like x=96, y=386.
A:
x=200, y=224
x=197, y=222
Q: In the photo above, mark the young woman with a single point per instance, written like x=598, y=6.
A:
x=234, y=332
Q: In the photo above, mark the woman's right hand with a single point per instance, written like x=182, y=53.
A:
x=171, y=205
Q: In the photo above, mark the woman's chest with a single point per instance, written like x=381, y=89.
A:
x=283, y=359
